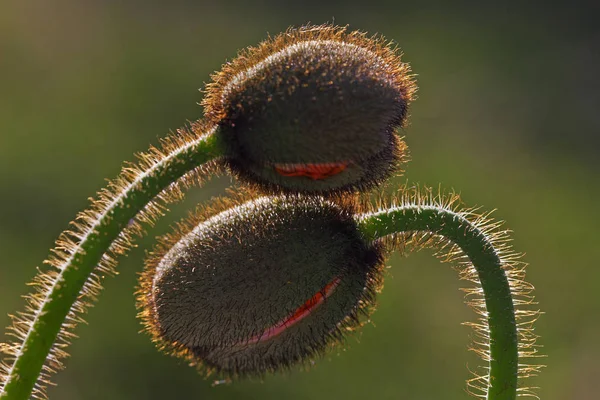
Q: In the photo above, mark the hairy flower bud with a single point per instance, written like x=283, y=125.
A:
x=260, y=286
x=314, y=109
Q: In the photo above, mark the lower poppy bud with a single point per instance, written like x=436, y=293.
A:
x=260, y=286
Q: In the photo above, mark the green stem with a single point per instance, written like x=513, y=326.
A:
x=66, y=288
x=503, y=367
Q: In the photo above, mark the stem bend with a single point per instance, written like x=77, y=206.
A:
x=88, y=251
x=503, y=353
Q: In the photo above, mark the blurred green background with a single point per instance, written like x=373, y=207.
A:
x=508, y=115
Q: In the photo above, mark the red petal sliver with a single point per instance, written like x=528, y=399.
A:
x=297, y=315
x=312, y=171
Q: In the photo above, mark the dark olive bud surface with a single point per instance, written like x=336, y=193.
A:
x=261, y=286
x=314, y=109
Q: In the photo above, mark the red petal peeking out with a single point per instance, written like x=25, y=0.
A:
x=299, y=314
x=312, y=171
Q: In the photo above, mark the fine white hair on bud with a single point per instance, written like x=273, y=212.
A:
x=259, y=286
x=313, y=110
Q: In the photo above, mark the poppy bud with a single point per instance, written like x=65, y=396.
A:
x=260, y=286
x=313, y=110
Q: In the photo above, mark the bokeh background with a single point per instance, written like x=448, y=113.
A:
x=508, y=115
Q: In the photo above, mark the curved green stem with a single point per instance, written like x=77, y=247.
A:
x=64, y=292
x=503, y=364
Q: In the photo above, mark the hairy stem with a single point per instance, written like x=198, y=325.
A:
x=503, y=350
x=87, y=254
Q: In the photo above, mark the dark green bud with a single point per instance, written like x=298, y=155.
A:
x=260, y=286
x=313, y=110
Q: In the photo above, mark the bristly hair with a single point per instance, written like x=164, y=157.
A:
x=313, y=110
x=85, y=224
x=525, y=311
x=249, y=57
x=236, y=199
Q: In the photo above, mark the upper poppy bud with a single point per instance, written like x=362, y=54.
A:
x=314, y=109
